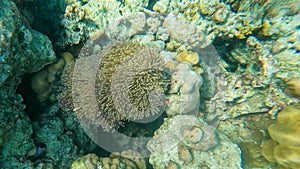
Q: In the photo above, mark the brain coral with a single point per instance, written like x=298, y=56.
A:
x=130, y=84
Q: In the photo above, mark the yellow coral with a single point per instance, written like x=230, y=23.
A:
x=189, y=57
x=292, y=87
x=286, y=132
x=39, y=82
x=53, y=69
x=172, y=165
x=89, y=161
x=67, y=56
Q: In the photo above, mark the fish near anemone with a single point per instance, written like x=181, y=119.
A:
x=123, y=81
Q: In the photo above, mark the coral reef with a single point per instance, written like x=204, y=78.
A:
x=234, y=19
x=251, y=86
x=249, y=132
x=254, y=75
x=126, y=159
x=183, y=141
x=284, y=148
x=82, y=19
x=89, y=161
x=187, y=83
x=240, y=95
x=58, y=146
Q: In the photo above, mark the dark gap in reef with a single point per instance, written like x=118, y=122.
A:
x=33, y=106
x=151, y=3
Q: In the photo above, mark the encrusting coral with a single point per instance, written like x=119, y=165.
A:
x=284, y=147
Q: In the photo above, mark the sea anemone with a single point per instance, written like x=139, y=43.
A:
x=129, y=83
x=139, y=84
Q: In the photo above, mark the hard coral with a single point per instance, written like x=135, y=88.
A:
x=125, y=159
x=186, y=82
x=189, y=57
x=292, y=87
x=284, y=148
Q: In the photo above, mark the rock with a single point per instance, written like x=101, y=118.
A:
x=22, y=50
